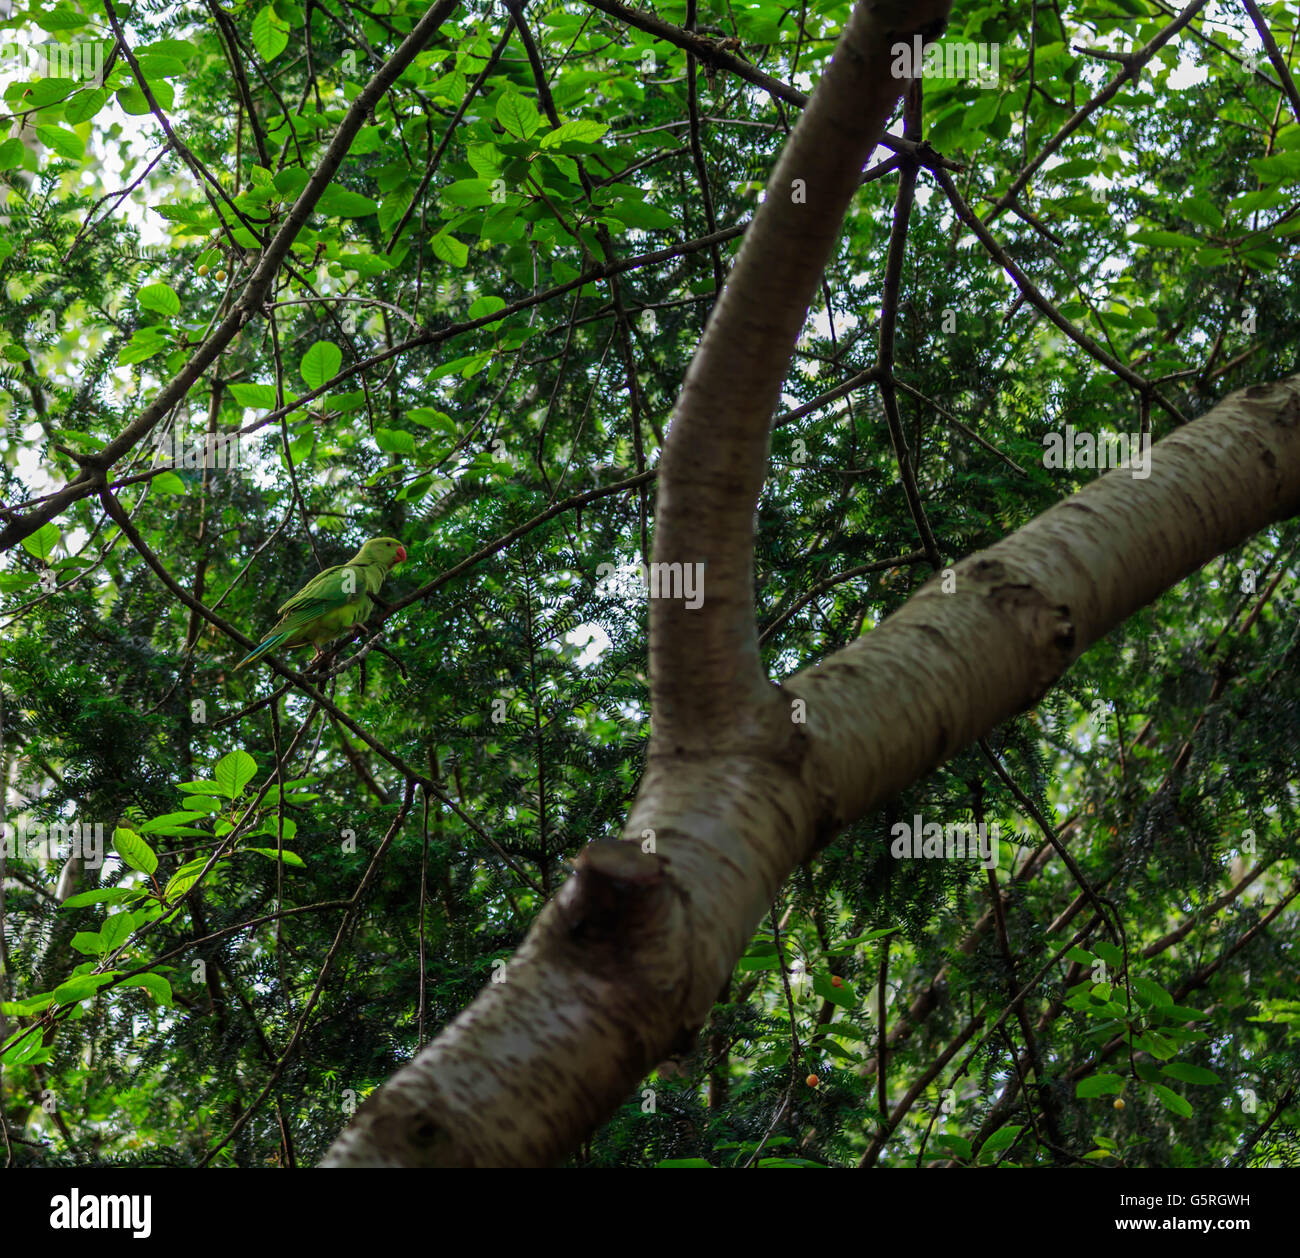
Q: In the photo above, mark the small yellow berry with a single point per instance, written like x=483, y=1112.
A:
x=1119, y=1102
x=221, y=277
x=203, y=270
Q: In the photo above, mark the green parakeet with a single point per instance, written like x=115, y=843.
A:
x=332, y=601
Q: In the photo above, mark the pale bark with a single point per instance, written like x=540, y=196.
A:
x=746, y=779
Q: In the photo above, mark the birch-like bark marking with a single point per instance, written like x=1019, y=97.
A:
x=706, y=672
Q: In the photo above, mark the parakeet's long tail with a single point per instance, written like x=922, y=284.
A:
x=261, y=649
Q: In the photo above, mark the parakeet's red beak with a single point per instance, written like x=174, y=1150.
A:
x=401, y=553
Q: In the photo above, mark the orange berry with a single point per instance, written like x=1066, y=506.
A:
x=836, y=981
x=813, y=1081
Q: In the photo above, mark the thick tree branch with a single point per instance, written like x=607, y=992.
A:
x=707, y=681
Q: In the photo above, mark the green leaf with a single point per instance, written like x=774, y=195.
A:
x=1187, y=1073
x=160, y=298
x=1001, y=1139
x=1099, y=1085
x=134, y=850
x=394, y=441
x=42, y=542
x=468, y=193
x=844, y=995
x=143, y=345
x=392, y=208
x=344, y=203
x=270, y=33
x=486, y=306
x=25, y=1008
x=517, y=114
x=577, y=131
x=1156, y=1044
x=201, y=787
x=256, y=395
x=291, y=180
x=1170, y=1099
x=117, y=929
x=449, y=88
x=100, y=895
x=448, y=249
x=173, y=823
x=281, y=828
x=58, y=19
x=201, y=804
x=157, y=986
x=88, y=943
x=24, y=1047
x=957, y=1146
x=870, y=937
x=320, y=364
x=183, y=879
x=133, y=101
x=368, y=140
x=11, y=155
x=80, y=986
x=1201, y=211
x=1166, y=240
x=62, y=141
x=1151, y=993
x=234, y=771
x=178, y=885
x=1279, y=168
x=290, y=858
x=45, y=92
x=643, y=215
x=486, y=160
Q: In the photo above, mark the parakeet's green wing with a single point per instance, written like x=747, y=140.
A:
x=323, y=599
x=323, y=593
x=333, y=600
